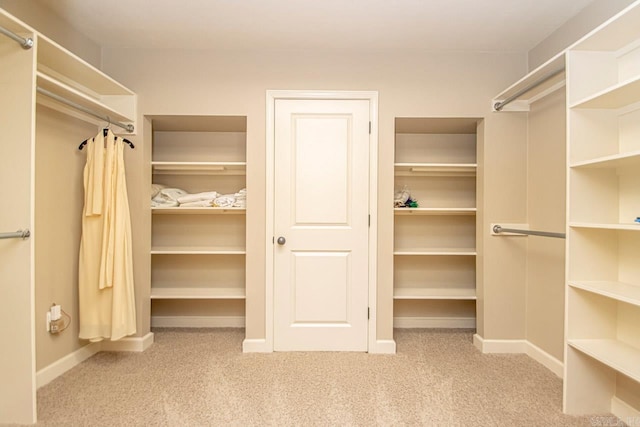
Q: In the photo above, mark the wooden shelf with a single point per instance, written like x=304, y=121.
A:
x=435, y=252
x=618, y=291
x=617, y=96
x=199, y=168
x=434, y=211
x=203, y=250
x=57, y=61
x=434, y=293
x=198, y=211
x=435, y=169
x=615, y=354
x=616, y=161
x=65, y=91
x=628, y=227
x=197, y=293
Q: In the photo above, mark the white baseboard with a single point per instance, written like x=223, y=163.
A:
x=499, y=346
x=539, y=355
x=627, y=413
x=129, y=343
x=197, y=321
x=383, y=347
x=49, y=373
x=434, y=322
x=255, y=346
x=520, y=346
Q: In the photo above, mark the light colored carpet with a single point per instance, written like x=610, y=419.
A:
x=199, y=377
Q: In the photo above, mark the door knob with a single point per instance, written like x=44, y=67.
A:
x=281, y=240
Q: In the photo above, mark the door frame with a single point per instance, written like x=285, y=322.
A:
x=272, y=97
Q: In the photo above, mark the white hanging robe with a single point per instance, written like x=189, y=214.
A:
x=106, y=289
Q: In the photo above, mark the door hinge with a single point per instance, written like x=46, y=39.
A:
x=369, y=220
x=368, y=313
x=369, y=128
x=273, y=240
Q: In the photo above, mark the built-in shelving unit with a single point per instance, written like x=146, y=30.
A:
x=603, y=272
x=198, y=253
x=434, y=244
x=36, y=163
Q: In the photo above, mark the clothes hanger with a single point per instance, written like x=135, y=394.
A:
x=105, y=131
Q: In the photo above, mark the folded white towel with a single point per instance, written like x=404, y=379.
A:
x=224, y=201
x=188, y=198
x=197, y=204
x=155, y=189
x=167, y=197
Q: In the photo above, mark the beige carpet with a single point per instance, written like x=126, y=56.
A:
x=201, y=378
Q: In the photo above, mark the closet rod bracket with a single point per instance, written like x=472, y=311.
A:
x=20, y=234
x=27, y=43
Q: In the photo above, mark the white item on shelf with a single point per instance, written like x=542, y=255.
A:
x=167, y=197
x=224, y=201
x=197, y=197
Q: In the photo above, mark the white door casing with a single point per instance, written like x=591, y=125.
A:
x=321, y=222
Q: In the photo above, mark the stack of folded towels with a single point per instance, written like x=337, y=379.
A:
x=163, y=197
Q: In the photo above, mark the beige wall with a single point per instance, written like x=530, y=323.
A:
x=546, y=200
x=581, y=24
x=503, y=170
x=410, y=84
x=42, y=19
x=58, y=207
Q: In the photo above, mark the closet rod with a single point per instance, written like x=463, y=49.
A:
x=499, y=229
x=127, y=127
x=498, y=106
x=25, y=43
x=20, y=234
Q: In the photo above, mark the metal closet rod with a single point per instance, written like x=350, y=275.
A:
x=498, y=106
x=20, y=234
x=128, y=127
x=498, y=229
x=25, y=43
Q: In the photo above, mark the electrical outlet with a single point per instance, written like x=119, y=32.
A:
x=48, y=321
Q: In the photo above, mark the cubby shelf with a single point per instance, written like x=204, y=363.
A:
x=443, y=293
x=617, y=96
x=616, y=161
x=613, y=353
x=435, y=252
x=604, y=226
x=199, y=168
x=434, y=211
x=618, y=291
x=435, y=169
x=197, y=293
x=198, y=211
x=179, y=250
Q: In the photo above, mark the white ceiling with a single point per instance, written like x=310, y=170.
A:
x=460, y=25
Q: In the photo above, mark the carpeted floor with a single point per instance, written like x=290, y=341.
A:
x=200, y=377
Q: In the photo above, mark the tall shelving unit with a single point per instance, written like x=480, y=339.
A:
x=29, y=266
x=602, y=354
x=198, y=253
x=434, y=244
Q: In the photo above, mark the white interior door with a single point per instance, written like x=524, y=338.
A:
x=321, y=225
